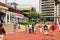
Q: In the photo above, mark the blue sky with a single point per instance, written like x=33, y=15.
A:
x=34, y=3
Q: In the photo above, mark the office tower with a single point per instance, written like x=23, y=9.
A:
x=47, y=9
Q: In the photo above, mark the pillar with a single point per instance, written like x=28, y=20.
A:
x=6, y=18
x=9, y=18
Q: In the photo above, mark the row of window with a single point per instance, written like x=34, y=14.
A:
x=47, y=2
x=48, y=14
x=47, y=10
x=47, y=7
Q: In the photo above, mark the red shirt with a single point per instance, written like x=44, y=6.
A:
x=52, y=27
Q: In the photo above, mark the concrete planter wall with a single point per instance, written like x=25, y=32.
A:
x=9, y=28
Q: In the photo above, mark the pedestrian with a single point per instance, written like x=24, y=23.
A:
x=18, y=27
x=41, y=26
x=48, y=24
x=26, y=27
x=2, y=31
x=15, y=25
x=30, y=28
x=45, y=29
x=59, y=27
x=52, y=29
x=33, y=28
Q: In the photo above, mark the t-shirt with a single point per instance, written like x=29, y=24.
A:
x=30, y=26
x=45, y=27
x=49, y=26
x=34, y=27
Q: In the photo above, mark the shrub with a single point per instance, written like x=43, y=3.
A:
x=24, y=23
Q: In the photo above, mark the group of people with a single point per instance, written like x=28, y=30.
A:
x=31, y=28
x=47, y=27
x=50, y=28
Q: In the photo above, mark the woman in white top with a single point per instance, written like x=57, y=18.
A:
x=30, y=28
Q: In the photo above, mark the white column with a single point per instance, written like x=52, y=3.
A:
x=6, y=17
x=9, y=18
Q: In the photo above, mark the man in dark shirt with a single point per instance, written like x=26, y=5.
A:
x=45, y=29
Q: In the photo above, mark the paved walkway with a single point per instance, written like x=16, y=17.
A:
x=37, y=36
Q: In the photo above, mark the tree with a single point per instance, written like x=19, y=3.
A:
x=34, y=16
x=43, y=18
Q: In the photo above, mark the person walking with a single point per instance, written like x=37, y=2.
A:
x=19, y=27
x=41, y=26
x=26, y=27
x=30, y=28
x=15, y=26
x=52, y=28
x=48, y=26
x=2, y=31
x=35, y=28
x=45, y=29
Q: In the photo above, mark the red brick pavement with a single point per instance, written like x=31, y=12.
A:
x=37, y=36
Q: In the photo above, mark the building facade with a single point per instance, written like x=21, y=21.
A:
x=47, y=8
x=58, y=11
x=15, y=14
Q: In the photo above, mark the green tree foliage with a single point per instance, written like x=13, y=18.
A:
x=34, y=15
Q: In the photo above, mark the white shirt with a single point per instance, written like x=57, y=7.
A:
x=30, y=26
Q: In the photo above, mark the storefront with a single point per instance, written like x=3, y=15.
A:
x=12, y=17
x=2, y=12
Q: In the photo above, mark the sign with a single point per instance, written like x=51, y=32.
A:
x=19, y=15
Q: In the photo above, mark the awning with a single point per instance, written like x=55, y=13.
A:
x=3, y=8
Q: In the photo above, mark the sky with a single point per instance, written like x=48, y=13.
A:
x=34, y=3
